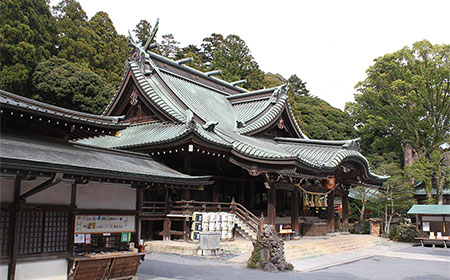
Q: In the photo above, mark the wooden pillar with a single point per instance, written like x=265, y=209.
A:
x=166, y=232
x=294, y=210
x=419, y=225
x=14, y=228
x=271, y=205
x=345, y=210
x=251, y=196
x=186, y=229
x=330, y=211
x=281, y=203
x=241, y=198
x=73, y=195
x=215, y=191
x=186, y=193
x=166, y=200
x=139, y=198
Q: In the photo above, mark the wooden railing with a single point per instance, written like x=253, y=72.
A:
x=187, y=207
x=154, y=207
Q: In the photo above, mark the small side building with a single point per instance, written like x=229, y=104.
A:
x=433, y=223
x=60, y=200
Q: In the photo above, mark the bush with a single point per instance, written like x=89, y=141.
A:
x=360, y=228
x=404, y=233
x=393, y=234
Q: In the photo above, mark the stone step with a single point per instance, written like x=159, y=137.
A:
x=295, y=252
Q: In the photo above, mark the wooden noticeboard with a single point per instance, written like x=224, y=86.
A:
x=104, y=224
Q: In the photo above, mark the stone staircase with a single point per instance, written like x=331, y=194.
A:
x=237, y=247
x=295, y=251
x=245, y=230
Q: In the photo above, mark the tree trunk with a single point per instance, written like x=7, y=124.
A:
x=363, y=209
x=440, y=190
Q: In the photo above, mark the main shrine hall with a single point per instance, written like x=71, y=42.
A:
x=248, y=141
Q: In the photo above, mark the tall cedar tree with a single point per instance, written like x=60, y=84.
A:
x=27, y=36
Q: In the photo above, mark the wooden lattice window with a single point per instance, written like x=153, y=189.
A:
x=5, y=215
x=43, y=231
x=30, y=232
x=55, y=231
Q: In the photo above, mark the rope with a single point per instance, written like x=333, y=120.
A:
x=314, y=193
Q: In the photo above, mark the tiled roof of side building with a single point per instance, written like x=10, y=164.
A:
x=430, y=209
x=45, y=155
x=17, y=102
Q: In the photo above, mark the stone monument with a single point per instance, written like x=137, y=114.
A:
x=268, y=252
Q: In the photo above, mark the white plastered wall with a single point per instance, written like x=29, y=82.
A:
x=42, y=270
x=58, y=194
x=93, y=195
x=106, y=196
x=3, y=271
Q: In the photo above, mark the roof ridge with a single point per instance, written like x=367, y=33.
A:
x=195, y=71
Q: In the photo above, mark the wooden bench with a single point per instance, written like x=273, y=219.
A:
x=433, y=241
x=105, y=266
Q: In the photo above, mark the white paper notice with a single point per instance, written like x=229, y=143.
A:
x=425, y=226
x=79, y=238
x=88, y=238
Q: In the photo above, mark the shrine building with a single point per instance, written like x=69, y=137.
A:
x=263, y=166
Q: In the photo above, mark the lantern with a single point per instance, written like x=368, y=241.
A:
x=329, y=183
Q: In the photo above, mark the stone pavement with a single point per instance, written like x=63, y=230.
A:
x=385, y=260
x=384, y=248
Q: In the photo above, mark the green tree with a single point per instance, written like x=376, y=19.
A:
x=297, y=86
x=75, y=35
x=405, y=99
x=233, y=57
x=320, y=120
x=142, y=31
x=27, y=36
x=273, y=80
x=397, y=194
x=210, y=46
x=65, y=84
x=168, y=46
x=194, y=52
x=111, y=49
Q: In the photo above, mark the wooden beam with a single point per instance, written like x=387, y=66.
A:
x=294, y=210
x=57, y=177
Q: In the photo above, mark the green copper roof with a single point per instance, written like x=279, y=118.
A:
x=223, y=115
x=152, y=87
x=421, y=191
x=430, y=209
